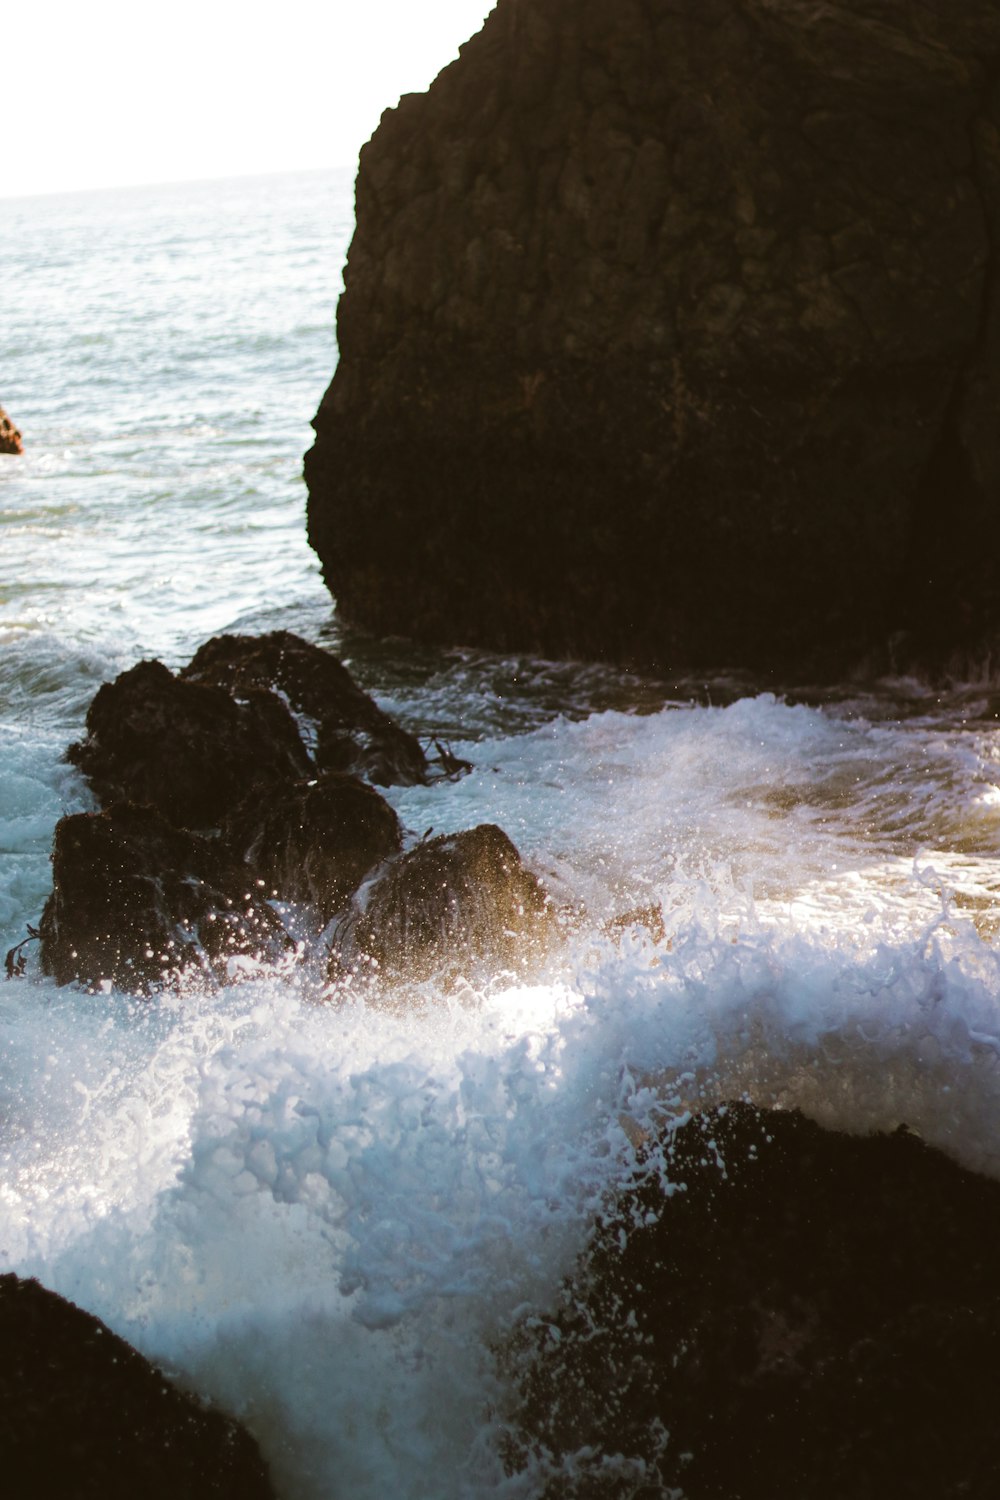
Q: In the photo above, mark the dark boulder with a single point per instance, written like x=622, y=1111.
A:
x=10, y=438
x=459, y=901
x=804, y=1313
x=84, y=1417
x=350, y=732
x=186, y=748
x=136, y=902
x=315, y=841
x=671, y=334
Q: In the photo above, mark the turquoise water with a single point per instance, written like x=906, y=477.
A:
x=325, y=1214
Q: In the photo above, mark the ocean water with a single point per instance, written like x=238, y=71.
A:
x=326, y=1211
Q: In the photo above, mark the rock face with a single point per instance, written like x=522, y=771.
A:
x=458, y=901
x=808, y=1314
x=10, y=438
x=671, y=333
x=83, y=1415
x=136, y=901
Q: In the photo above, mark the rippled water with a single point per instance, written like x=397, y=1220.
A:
x=326, y=1214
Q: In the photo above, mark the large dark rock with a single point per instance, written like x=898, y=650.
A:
x=671, y=333
x=315, y=841
x=10, y=438
x=136, y=901
x=84, y=1417
x=188, y=749
x=454, y=904
x=804, y=1314
x=348, y=729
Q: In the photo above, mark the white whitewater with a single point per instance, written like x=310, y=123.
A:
x=323, y=1211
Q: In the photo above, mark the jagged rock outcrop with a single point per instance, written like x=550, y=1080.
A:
x=347, y=729
x=671, y=333
x=802, y=1313
x=453, y=905
x=136, y=902
x=10, y=438
x=83, y=1415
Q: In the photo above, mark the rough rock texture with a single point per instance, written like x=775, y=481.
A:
x=808, y=1314
x=671, y=333
x=459, y=901
x=82, y=1415
x=315, y=841
x=349, y=730
x=189, y=750
x=10, y=438
x=136, y=901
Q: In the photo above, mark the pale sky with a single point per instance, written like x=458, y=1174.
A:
x=102, y=93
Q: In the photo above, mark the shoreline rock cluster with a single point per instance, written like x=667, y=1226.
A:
x=670, y=335
x=243, y=785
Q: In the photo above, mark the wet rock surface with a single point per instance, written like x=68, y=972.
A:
x=350, y=732
x=83, y=1415
x=455, y=902
x=10, y=438
x=671, y=334
x=136, y=901
x=805, y=1313
x=190, y=750
x=314, y=842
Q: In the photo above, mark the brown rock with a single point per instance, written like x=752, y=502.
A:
x=350, y=732
x=190, y=750
x=671, y=334
x=10, y=438
x=315, y=841
x=803, y=1313
x=137, y=902
x=453, y=903
x=83, y=1415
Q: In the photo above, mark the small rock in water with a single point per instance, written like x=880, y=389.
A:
x=459, y=899
x=190, y=750
x=10, y=438
x=84, y=1417
x=315, y=841
x=352, y=733
x=134, y=901
x=805, y=1313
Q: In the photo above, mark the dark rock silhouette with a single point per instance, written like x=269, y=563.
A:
x=83, y=1415
x=671, y=333
x=190, y=750
x=459, y=901
x=315, y=841
x=10, y=438
x=350, y=731
x=136, y=901
x=809, y=1314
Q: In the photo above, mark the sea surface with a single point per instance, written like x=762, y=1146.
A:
x=327, y=1211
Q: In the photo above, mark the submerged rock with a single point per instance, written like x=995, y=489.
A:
x=459, y=901
x=351, y=733
x=135, y=901
x=190, y=750
x=10, y=438
x=315, y=841
x=671, y=334
x=83, y=1415
x=804, y=1313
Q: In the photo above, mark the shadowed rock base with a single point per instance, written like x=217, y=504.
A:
x=84, y=1417
x=810, y=1314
